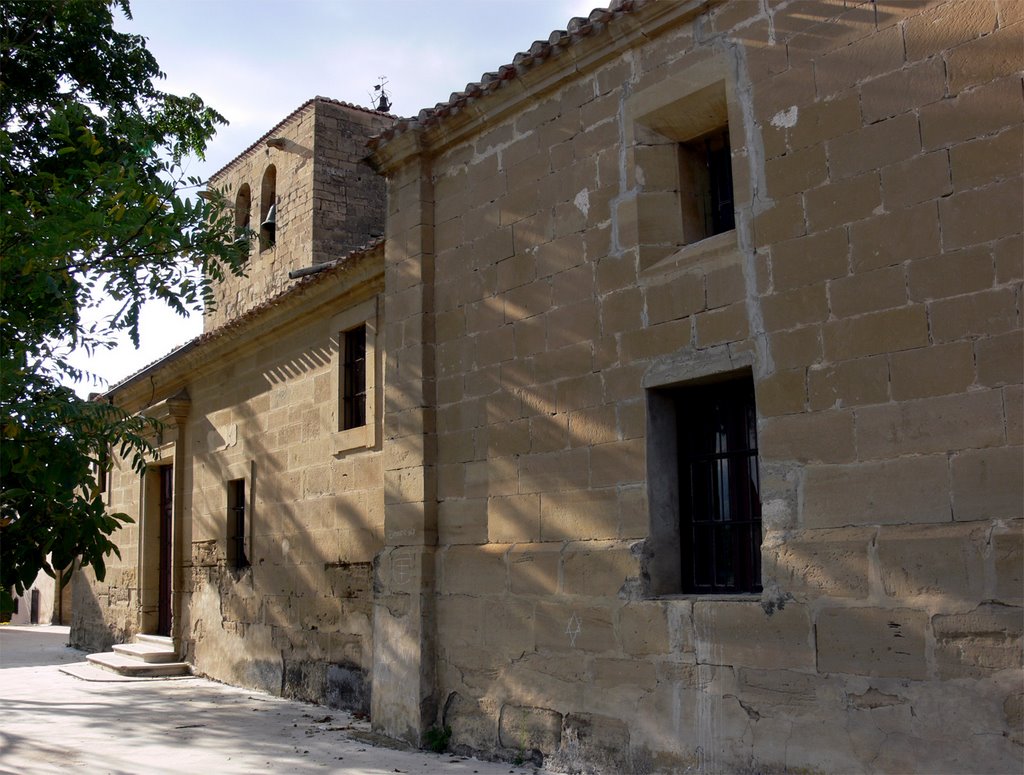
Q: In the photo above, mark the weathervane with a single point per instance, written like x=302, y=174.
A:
x=380, y=96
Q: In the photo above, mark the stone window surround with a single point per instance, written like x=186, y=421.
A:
x=365, y=436
x=662, y=568
x=659, y=119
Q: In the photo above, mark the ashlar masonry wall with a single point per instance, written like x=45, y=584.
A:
x=258, y=404
x=871, y=289
x=296, y=619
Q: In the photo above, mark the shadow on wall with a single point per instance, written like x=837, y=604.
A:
x=543, y=642
x=88, y=615
x=303, y=606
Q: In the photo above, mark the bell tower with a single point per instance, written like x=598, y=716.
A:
x=307, y=193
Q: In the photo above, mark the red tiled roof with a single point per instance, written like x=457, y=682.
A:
x=577, y=29
x=303, y=282
x=239, y=322
x=274, y=129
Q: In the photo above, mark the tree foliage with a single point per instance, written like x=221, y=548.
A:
x=95, y=206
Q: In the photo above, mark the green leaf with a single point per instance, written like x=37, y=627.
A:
x=90, y=182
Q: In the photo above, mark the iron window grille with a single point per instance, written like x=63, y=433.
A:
x=719, y=492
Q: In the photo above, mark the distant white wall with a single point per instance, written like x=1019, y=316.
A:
x=49, y=610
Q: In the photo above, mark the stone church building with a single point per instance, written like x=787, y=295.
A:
x=652, y=405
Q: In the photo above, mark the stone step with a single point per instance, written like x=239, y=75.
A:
x=147, y=652
x=156, y=640
x=132, y=666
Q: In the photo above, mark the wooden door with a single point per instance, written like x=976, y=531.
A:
x=166, y=521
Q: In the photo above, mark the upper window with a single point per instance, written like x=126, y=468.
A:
x=357, y=376
x=353, y=398
x=681, y=149
x=268, y=209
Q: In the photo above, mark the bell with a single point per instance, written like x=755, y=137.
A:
x=269, y=226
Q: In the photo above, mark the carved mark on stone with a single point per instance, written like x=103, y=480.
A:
x=402, y=563
x=573, y=628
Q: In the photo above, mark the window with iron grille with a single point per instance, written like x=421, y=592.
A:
x=236, y=524
x=719, y=493
x=354, y=372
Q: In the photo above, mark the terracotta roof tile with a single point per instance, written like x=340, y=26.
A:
x=301, y=283
x=577, y=29
x=330, y=269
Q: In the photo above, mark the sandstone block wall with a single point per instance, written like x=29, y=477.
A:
x=298, y=619
x=542, y=286
x=872, y=288
x=115, y=609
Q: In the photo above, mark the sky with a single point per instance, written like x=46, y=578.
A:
x=255, y=61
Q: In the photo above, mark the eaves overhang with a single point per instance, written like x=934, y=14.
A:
x=359, y=272
x=584, y=45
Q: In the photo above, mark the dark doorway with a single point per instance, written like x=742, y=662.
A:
x=166, y=519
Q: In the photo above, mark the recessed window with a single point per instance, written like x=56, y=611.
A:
x=356, y=377
x=353, y=397
x=236, y=554
x=682, y=151
x=705, y=176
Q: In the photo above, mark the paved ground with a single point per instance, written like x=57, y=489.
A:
x=51, y=722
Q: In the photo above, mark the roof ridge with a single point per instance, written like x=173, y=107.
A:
x=575, y=30
x=262, y=138
x=329, y=269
